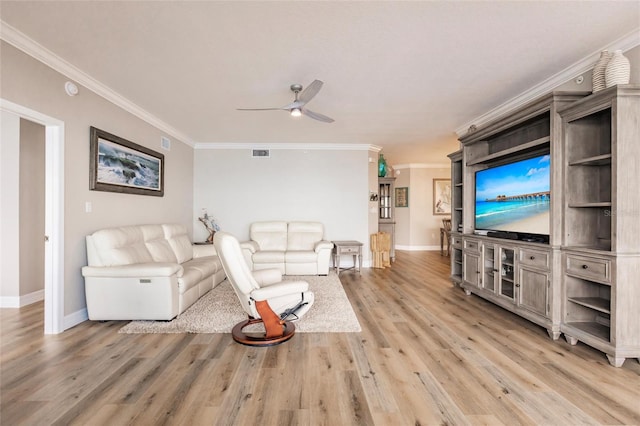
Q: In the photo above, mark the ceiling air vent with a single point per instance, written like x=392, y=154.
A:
x=260, y=153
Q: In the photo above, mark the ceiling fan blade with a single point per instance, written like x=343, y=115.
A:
x=310, y=91
x=292, y=105
x=317, y=116
x=259, y=109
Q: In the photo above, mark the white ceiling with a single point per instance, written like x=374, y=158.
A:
x=400, y=75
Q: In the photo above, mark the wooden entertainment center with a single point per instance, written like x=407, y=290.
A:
x=584, y=282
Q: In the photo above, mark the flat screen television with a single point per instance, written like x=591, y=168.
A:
x=513, y=199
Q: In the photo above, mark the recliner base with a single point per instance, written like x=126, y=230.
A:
x=288, y=330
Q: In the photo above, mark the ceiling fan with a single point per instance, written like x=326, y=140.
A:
x=296, y=108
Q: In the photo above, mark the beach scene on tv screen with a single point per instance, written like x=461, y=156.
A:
x=514, y=197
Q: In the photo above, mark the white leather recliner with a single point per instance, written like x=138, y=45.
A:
x=263, y=296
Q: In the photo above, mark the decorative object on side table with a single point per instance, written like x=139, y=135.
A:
x=618, y=70
x=209, y=223
x=599, y=69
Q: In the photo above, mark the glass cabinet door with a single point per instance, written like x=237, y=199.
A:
x=385, y=201
x=489, y=269
x=507, y=286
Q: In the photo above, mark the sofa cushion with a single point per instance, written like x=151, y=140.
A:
x=301, y=256
x=208, y=265
x=178, y=239
x=119, y=246
x=269, y=235
x=189, y=278
x=157, y=245
x=268, y=256
x=304, y=235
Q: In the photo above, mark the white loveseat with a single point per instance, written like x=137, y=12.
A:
x=295, y=248
x=149, y=272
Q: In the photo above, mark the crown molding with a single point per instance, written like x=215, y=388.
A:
x=624, y=43
x=47, y=57
x=422, y=166
x=290, y=146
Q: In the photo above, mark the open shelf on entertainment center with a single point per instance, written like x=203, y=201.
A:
x=592, y=328
x=596, y=160
x=595, y=303
x=519, y=150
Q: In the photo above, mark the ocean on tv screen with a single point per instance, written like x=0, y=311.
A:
x=514, y=197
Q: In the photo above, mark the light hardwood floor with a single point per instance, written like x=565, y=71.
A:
x=427, y=355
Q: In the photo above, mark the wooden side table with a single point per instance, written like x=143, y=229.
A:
x=347, y=247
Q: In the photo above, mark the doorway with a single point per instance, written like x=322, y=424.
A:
x=54, y=210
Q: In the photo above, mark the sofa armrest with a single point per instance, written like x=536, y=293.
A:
x=323, y=245
x=139, y=270
x=281, y=289
x=266, y=277
x=204, y=250
x=252, y=246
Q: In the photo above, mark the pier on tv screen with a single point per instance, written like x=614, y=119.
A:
x=514, y=197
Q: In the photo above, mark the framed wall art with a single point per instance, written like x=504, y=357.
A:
x=402, y=197
x=442, y=196
x=118, y=165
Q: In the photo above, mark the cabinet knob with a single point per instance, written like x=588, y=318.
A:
x=517, y=285
x=585, y=266
x=532, y=258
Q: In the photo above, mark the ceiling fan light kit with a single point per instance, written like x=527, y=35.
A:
x=302, y=97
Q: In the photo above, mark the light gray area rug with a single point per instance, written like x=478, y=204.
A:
x=219, y=310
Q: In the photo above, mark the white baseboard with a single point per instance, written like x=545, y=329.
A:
x=418, y=248
x=75, y=318
x=20, y=301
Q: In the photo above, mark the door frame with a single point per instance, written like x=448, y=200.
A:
x=54, y=214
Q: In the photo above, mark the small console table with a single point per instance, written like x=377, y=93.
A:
x=347, y=247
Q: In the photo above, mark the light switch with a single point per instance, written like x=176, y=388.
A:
x=87, y=207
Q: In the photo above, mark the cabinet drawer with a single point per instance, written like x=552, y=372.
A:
x=589, y=268
x=456, y=242
x=472, y=245
x=537, y=258
x=347, y=250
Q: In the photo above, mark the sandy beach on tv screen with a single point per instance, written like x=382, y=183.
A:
x=538, y=224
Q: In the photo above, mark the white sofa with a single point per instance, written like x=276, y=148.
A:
x=149, y=272
x=295, y=248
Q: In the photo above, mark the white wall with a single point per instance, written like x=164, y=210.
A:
x=330, y=186
x=32, y=84
x=9, y=201
x=417, y=228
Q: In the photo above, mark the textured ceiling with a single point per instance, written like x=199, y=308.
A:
x=400, y=75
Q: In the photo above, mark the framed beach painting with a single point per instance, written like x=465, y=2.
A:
x=442, y=196
x=118, y=165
